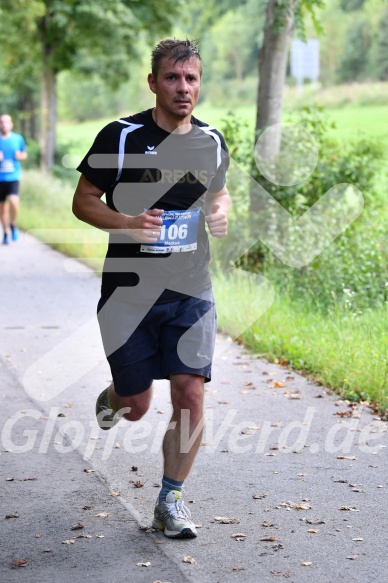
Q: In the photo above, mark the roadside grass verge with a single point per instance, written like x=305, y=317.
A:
x=339, y=350
x=45, y=210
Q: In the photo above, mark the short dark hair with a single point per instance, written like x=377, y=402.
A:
x=172, y=48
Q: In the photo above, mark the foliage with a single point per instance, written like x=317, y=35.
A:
x=382, y=48
x=354, y=60
x=356, y=261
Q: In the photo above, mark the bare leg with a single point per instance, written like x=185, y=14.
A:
x=180, y=444
x=138, y=404
x=13, y=207
x=4, y=216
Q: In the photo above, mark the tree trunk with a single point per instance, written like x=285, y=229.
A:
x=28, y=120
x=273, y=57
x=48, y=115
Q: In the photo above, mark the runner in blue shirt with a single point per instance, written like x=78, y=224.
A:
x=12, y=151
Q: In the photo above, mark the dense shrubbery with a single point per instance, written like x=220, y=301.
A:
x=352, y=272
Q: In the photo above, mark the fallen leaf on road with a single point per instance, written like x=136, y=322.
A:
x=48, y=550
x=27, y=479
x=285, y=574
x=303, y=506
x=89, y=471
x=352, y=557
x=260, y=496
x=147, y=564
x=270, y=539
x=9, y=479
x=188, y=559
x=19, y=563
x=134, y=469
x=350, y=508
x=69, y=541
x=138, y=484
x=357, y=539
x=278, y=385
x=103, y=514
x=77, y=526
x=87, y=507
x=16, y=515
x=100, y=535
x=307, y=564
x=292, y=395
x=238, y=535
x=313, y=530
x=82, y=535
x=226, y=520
x=346, y=413
x=267, y=524
x=346, y=457
x=314, y=521
x=114, y=494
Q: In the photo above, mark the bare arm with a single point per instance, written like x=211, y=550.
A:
x=20, y=155
x=217, y=209
x=88, y=207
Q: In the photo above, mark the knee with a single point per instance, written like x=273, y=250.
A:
x=188, y=393
x=133, y=408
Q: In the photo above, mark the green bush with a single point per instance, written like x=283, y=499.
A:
x=352, y=272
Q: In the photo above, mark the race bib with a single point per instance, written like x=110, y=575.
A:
x=179, y=233
x=7, y=166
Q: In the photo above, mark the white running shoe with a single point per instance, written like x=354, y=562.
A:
x=173, y=517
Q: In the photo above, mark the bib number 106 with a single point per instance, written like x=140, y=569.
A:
x=173, y=232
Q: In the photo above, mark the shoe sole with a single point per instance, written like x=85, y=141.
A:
x=184, y=533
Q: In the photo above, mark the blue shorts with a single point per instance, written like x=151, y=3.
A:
x=7, y=188
x=143, y=344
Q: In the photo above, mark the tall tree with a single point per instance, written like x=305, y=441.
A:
x=59, y=30
x=282, y=17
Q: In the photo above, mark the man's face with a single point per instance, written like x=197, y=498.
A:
x=6, y=124
x=177, y=86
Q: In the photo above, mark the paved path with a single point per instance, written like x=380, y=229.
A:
x=280, y=457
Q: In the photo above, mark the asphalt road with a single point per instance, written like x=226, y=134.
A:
x=290, y=482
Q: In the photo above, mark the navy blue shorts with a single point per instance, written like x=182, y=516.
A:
x=7, y=188
x=143, y=344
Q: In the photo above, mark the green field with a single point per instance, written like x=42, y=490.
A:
x=349, y=121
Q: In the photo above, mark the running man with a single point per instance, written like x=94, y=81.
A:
x=163, y=174
x=12, y=152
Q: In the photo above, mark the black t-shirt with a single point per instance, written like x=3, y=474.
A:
x=140, y=166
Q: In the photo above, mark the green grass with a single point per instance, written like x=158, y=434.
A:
x=46, y=210
x=343, y=352
x=349, y=121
